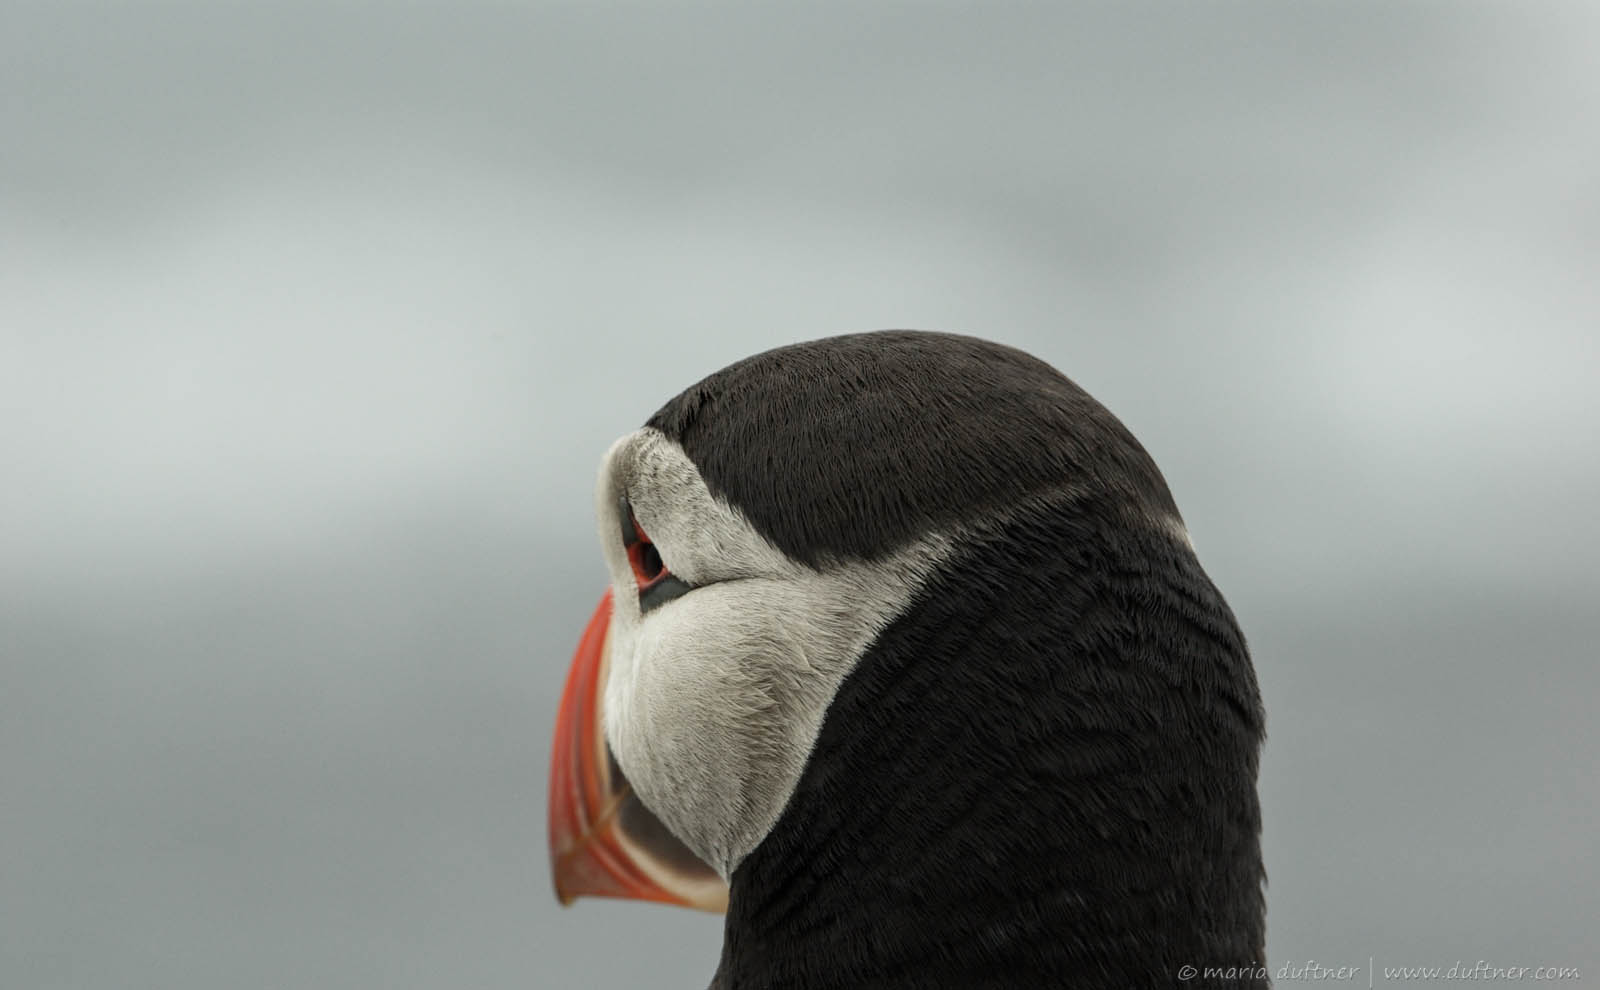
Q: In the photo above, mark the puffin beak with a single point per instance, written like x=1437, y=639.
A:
x=603, y=841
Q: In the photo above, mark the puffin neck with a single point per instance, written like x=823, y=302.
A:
x=1043, y=773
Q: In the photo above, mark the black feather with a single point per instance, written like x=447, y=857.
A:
x=1043, y=773
x=853, y=446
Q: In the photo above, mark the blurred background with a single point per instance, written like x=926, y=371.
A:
x=315, y=319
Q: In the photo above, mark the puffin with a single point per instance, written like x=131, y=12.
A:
x=908, y=666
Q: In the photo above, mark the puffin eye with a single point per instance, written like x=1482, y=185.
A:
x=656, y=584
x=646, y=561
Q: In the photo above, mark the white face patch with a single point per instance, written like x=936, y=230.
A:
x=714, y=699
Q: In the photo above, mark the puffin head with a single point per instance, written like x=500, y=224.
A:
x=907, y=663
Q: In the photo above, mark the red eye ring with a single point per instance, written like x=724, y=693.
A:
x=657, y=585
x=645, y=559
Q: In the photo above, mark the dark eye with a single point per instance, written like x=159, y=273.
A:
x=646, y=561
x=656, y=584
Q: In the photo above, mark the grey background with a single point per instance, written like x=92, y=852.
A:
x=315, y=321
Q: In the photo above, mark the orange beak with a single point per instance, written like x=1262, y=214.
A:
x=603, y=841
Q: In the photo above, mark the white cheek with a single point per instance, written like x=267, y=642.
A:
x=622, y=648
x=715, y=710
x=703, y=717
x=714, y=701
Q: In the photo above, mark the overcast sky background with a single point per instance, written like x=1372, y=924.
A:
x=314, y=322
